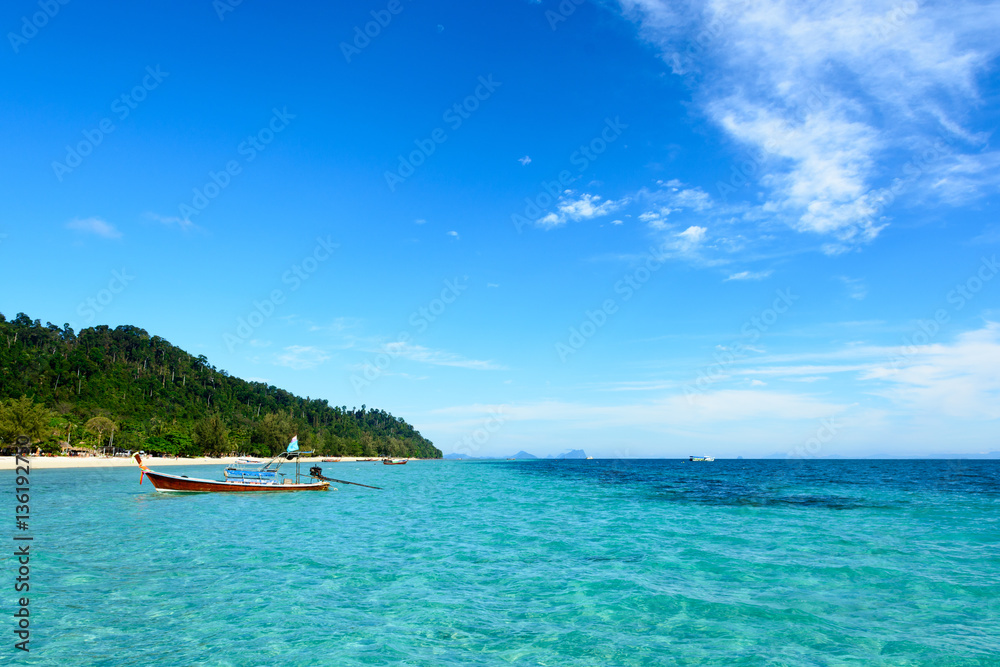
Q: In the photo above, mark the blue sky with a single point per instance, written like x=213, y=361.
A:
x=637, y=228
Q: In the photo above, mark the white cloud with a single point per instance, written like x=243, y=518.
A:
x=673, y=197
x=961, y=379
x=95, y=226
x=822, y=95
x=937, y=398
x=856, y=288
x=336, y=326
x=586, y=206
x=420, y=221
x=169, y=220
x=691, y=237
x=452, y=234
x=301, y=357
x=425, y=355
x=677, y=411
x=749, y=275
x=525, y=161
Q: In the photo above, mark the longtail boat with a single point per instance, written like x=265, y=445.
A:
x=394, y=462
x=243, y=475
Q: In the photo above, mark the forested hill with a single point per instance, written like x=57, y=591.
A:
x=160, y=398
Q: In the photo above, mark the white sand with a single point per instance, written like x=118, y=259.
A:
x=42, y=462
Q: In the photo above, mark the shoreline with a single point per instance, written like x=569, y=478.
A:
x=54, y=462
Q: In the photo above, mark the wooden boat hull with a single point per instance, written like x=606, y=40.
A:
x=394, y=463
x=181, y=484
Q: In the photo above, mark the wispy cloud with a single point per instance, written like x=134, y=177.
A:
x=960, y=379
x=426, y=355
x=856, y=288
x=95, y=226
x=525, y=161
x=726, y=406
x=337, y=325
x=171, y=220
x=672, y=196
x=749, y=275
x=301, y=357
x=820, y=96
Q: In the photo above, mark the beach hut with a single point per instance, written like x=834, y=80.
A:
x=69, y=450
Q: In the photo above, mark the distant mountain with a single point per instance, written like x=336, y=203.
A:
x=573, y=454
x=522, y=455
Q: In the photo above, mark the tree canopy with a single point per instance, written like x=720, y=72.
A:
x=22, y=416
x=161, y=398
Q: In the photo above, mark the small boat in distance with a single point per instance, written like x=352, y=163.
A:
x=330, y=460
x=242, y=475
x=394, y=462
x=701, y=458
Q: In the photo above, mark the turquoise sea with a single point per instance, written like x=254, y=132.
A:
x=521, y=563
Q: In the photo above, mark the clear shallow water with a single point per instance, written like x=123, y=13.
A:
x=523, y=563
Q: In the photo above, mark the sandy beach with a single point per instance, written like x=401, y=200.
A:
x=45, y=462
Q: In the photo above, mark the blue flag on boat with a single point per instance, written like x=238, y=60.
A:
x=293, y=446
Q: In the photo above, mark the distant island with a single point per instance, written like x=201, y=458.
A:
x=106, y=389
x=522, y=455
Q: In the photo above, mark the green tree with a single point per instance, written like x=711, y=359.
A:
x=100, y=426
x=273, y=433
x=160, y=445
x=150, y=388
x=181, y=442
x=211, y=435
x=22, y=416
